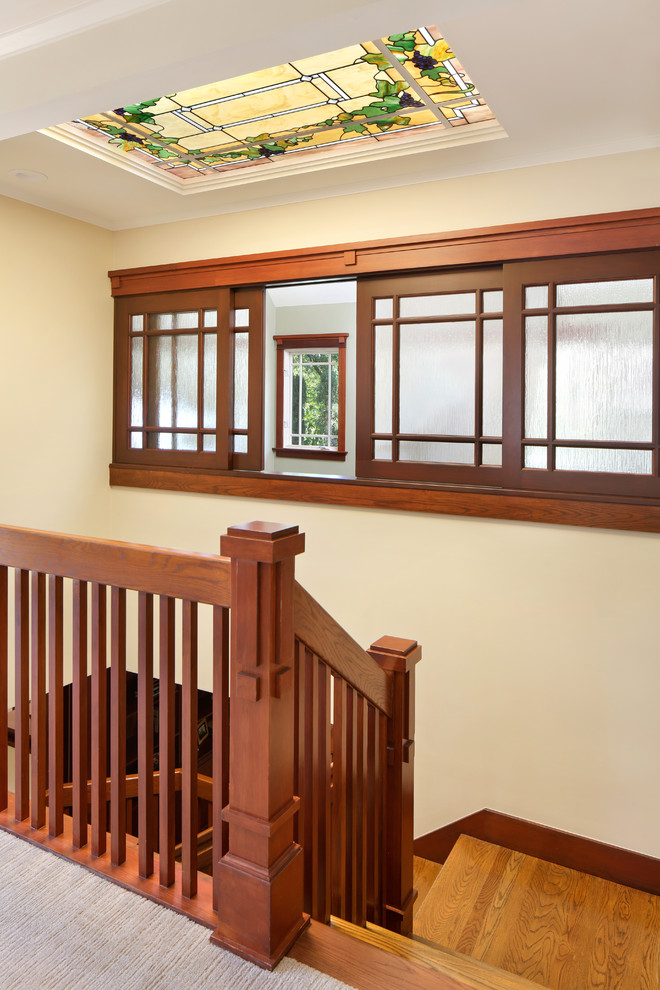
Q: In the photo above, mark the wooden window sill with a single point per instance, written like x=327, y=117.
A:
x=606, y=512
x=313, y=453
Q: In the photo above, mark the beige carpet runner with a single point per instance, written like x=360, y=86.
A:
x=64, y=928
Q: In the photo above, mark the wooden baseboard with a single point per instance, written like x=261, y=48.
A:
x=622, y=866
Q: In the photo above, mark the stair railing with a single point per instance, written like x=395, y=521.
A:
x=312, y=777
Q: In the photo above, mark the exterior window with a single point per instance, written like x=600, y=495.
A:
x=184, y=362
x=311, y=395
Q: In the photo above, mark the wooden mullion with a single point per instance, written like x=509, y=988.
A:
x=4, y=650
x=656, y=378
x=55, y=705
x=118, y=727
x=166, y=734
x=396, y=343
x=478, y=382
x=79, y=720
x=220, y=740
x=99, y=766
x=146, y=807
x=39, y=719
x=189, y=719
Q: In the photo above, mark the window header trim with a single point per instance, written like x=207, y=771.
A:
x=630, y=230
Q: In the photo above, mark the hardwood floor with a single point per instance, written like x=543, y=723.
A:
x=554, y=926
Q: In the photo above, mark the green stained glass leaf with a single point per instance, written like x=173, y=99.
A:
x=376, y=59
x=354, y=127
x=137, y=107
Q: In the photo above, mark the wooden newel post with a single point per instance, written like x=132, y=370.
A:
x=260, y=878
x=398, y=658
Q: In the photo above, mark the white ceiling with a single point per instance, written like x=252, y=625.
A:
x=566, y=78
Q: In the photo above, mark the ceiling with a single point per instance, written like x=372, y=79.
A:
x=566, y=79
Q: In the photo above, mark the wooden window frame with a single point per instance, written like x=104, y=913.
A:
x=636, y=230
x=311, y=342
x=225, y=301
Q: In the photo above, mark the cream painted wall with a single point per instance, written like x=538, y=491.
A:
x=537, y=694
x=55, y=371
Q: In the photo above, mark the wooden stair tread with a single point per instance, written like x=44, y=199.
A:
x=425, y=873
x=557, y=927
x=469, y=973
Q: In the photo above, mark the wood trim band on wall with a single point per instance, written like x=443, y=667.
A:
x=630, y=230
x=600, y=512
x=574, y=852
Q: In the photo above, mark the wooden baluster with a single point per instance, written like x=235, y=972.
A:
x=300, y=778
x=322, y=796
x=260, y=877
x=398, y=657
x=4, y=701
x=79, y=731
x=189, y=751
x=341, y=763
x=146, y=808
x=55, y=705
x=375, y=795
x=118, y=727
x=99, y=719
x=359, y=904
x=39, y=720
x=22, y=694
x=166, y=733
x=220, y=740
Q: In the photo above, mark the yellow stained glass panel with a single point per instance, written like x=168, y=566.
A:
x=365, y=94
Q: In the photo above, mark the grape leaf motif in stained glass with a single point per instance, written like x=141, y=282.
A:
x=362, y=95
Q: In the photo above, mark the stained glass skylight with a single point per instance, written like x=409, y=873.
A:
x=400, y=93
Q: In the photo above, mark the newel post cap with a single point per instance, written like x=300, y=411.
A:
x=394, y=654
x=264, y=542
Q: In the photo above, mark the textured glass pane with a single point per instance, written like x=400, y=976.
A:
x=634, y=290
x=137, y=352
x=493, y=301
x=172, y=381
x=436, y=453
x=445, y=304
x=491, y=454
x=383, y=309
x=604, y=459
x=136, y=440
x=492, y=379
x=240, y=444
x=536, y=376
x=241, y=317
x=383, y=450
x=137, y=322
x=208, y=442
x=173, y=321
x=536, y=297
x=210, y=377
x=210, y=317
x=383, y=379
x=241, y=353
x=604, y=376
x=172, y=441
x=436, y=393
x=536, y=457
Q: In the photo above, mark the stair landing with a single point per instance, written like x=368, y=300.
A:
x=556, y=927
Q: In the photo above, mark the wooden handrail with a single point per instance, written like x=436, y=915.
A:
x=204, y=787
x=332, y=644
x=193, y=576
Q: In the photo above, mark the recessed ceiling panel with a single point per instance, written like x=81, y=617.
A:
x=397, y=95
